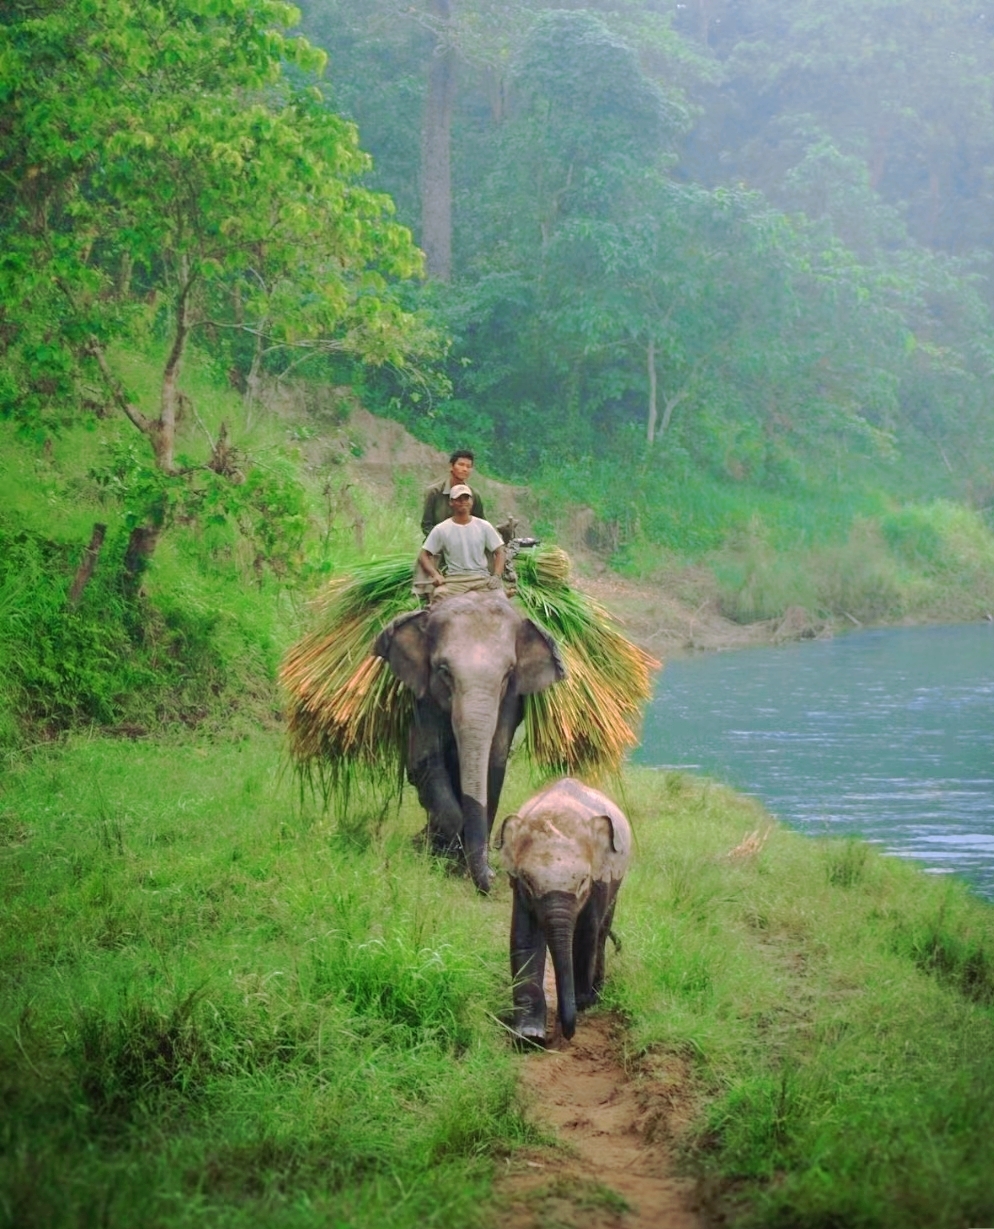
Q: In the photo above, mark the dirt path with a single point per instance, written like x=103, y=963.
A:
x=614, y=1166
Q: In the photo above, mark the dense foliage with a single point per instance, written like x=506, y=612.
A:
x=164, y=174
x=718, y=247
x=180, y=212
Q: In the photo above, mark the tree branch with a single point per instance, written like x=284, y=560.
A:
x=116, y=391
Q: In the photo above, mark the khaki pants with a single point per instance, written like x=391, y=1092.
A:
x=465, y=584
x=423, y=588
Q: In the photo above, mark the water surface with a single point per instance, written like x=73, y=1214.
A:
x=885, y=734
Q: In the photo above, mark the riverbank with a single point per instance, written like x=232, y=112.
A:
x=668, y=627
x=221, y=1004
x=926, y=565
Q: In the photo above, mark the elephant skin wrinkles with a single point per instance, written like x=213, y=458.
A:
x=566, y=851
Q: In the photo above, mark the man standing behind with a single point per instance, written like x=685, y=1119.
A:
x=461, y=543
x=436, y=507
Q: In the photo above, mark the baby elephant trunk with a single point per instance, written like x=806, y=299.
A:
x=557, y=912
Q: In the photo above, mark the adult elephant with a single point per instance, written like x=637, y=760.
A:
x=470, y=661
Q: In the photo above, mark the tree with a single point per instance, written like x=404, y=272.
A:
x=905, y=87
x=159, y=158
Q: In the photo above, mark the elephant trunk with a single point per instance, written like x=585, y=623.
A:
x=474, y=722
x=558, y=913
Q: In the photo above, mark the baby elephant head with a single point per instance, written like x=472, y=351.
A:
x=566, y=853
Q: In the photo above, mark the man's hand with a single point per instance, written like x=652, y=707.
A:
x=427, y=561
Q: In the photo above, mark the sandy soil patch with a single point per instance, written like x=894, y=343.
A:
x=614, y=1164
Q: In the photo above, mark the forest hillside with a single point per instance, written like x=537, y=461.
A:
x=718, y=271
x=732, y=339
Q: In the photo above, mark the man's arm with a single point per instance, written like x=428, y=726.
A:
x=427, y=561
x=428, y=512
x=499, y=561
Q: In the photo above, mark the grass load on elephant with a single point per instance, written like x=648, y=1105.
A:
x=379, y=684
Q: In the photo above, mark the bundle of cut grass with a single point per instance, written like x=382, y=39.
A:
x=348, y=716
x=585, y=724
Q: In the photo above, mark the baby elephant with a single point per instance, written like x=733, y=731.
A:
x=566, y=853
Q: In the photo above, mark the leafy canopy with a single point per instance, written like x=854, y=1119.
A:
x=177, y=153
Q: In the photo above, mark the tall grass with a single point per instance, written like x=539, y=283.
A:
x=836, y=1008
x=924, y=562
x=214, y=1007
x=218, y=1005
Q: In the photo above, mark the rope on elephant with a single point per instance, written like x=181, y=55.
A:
x=348, y=716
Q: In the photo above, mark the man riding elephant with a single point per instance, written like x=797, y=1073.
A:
x=437, y=496
x=460, y=545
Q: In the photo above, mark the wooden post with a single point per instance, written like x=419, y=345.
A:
x=86, y=565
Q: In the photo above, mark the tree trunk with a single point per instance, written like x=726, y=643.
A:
x=670, y=406
x=163, y=431
x=651, y=365
x=878, y=155
x=436, y=172
x=87, y=564
x=124, y=275
x=253, y=382
x=141, y=546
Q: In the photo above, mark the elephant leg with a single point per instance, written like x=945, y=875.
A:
x=585, y=941
x=603, y=931
x=527, y=971
x=431, y=751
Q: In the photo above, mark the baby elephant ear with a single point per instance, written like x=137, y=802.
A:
x=404, y=645
x=499, y=843
x=617, y=834
x=539, y=663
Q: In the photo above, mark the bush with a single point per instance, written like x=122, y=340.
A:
x=110, y=661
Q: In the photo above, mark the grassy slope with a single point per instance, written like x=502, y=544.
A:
x=219, y=1004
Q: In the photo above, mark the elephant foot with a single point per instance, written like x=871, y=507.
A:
x=448, y=849
x=586, y=999
x=535, y=1040
x=529, y=1032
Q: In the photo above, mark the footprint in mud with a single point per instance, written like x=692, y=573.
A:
x=615, y=1166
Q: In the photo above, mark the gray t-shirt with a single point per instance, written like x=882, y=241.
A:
x=463, y=547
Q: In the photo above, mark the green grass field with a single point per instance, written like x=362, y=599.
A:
x=220, y=1006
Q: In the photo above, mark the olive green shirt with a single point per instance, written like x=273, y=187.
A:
x=437, y=507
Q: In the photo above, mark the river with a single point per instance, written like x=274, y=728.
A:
x=887, y=734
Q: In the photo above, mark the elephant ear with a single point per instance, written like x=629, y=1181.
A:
x=404, y=645
x=514, y=840
x=618, y=849
x=539, y=663
x=499, y=843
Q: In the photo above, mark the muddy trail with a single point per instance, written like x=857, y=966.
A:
x=613, y=1164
